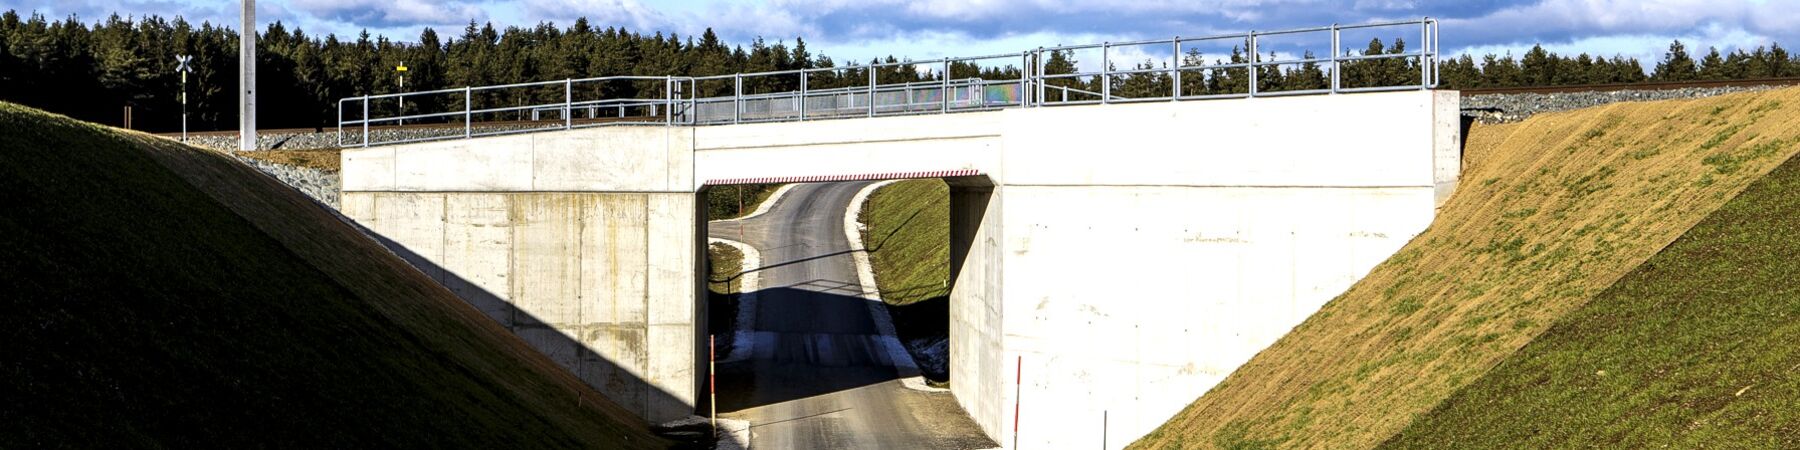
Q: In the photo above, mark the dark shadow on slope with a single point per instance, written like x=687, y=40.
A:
x=618, y=383
x=165, y=296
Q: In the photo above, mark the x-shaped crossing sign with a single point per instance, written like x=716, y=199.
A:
x=181, y=63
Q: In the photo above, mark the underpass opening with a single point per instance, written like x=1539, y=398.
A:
x=802, y=328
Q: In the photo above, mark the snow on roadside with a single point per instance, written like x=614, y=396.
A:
x=744, y=338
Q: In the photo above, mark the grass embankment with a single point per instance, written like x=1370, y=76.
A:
x=907, y=231
x=1551, y=211
x=1694, y=348
x=723, y=286
x=160, y=295
x=321, y=159
x=723, y=202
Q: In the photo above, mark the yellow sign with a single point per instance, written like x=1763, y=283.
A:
x=400, y=68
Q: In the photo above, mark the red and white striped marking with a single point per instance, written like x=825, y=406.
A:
x=856, y=177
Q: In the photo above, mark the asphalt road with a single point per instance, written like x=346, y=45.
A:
x=819, y=377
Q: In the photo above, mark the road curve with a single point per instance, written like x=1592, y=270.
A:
x=819, y=376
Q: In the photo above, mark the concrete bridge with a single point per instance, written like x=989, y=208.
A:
x=1118, y=259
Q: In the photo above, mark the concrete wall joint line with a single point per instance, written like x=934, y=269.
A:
x=701, y=148
x=1203, y=186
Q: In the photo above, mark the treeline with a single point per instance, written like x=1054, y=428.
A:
x=1538, y=67
x=92, y=71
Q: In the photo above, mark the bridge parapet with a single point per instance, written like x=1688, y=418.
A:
x=1045, y=76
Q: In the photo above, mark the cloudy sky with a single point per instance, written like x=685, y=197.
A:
x=923, y=29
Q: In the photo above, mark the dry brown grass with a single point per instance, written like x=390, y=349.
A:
x=1550, y=212
x=322, y=159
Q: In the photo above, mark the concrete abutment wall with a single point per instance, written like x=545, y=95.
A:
x=582, y=244
x=1127, y=257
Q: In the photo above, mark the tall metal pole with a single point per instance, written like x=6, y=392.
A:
x=183, y=60
x=247, y=78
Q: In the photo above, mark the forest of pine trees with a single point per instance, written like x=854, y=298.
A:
x=90, y=71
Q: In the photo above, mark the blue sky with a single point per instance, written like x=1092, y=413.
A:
x=923, y=29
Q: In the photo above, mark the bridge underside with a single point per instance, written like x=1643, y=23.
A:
x=1118, y=259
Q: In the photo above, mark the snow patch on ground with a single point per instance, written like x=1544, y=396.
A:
x=731, y=434
x=743, y=339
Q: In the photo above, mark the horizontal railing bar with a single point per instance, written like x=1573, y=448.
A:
x=1214, y=96
x=1384, y=24
x=1380, y=56
x=1407, y=87
x=1262, y=93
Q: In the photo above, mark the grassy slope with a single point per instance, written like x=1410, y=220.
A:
x=907, y=230
x=162, y=295
x=1550, y=212
x=722, y=201
x=1694, y=348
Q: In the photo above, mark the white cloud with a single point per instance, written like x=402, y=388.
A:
x=391, y=13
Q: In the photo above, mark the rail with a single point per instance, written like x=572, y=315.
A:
x=958, y=84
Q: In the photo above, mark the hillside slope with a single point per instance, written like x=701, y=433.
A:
x=1551, y=211
x=159, y=295
x=1694, y=348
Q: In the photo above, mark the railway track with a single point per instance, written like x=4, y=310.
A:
x=1657, y=86
x=426, y=126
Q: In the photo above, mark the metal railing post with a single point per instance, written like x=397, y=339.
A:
x=802, y=106
x=568, y=100
x=1252, y=60
x=1024, y=74
x=1038, y=75
x=945, y=82
x=468, y=112
x=872, y=81
x=737, y=98
x=1105, y=73
x=1176, y=61
x=668, y=100
x=365, y=121
x=1337, y=68
x=340, y=117
x=1424, y=45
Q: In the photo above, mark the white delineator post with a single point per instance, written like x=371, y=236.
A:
x=247, y=78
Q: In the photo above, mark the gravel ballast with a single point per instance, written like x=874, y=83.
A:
x=1504, y=108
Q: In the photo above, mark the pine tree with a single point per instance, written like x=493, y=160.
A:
x=1676, y=65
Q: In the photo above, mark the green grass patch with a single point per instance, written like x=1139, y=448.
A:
x=738, y=200
x=907, y=231
x=1693, y=348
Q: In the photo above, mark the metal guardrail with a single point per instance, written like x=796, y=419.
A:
x=680, y=103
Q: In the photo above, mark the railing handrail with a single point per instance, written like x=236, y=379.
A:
x=680, y=103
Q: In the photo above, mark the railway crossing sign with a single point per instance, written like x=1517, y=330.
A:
x=181, y=65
